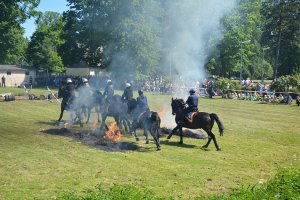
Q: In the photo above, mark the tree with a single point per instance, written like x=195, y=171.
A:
x=282, y=33
x=116, y=35
x=12, y=43
x=240, y=26
x=42, y=49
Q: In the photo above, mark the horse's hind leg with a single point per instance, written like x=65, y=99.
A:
x=211, y=136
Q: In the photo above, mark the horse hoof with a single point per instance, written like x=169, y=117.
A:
x=158, y=148
x=218, y=149
x=137, y=139
x=169, y=137
x=147, y=141
x=180, y=142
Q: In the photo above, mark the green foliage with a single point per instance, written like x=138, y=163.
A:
x=281, y=34
x=285, y=185
x=114, y=192
x=287, y=83
x=42, y=49
x=12, y=43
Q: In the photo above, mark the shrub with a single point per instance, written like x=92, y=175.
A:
x=285, y=185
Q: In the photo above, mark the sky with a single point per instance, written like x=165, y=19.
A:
x=45, y=5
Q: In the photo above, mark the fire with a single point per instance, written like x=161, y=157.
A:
x=113, y=133
x=162, y=113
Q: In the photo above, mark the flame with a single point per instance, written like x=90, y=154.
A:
x=113, y=133
x=161, y=113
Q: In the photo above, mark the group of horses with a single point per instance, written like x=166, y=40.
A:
x=129, y=115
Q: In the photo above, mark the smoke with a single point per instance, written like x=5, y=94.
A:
x=191, y=25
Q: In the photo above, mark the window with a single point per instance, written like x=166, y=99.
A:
x=8, y=72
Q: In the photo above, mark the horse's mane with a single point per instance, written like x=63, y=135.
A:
x=180, y=102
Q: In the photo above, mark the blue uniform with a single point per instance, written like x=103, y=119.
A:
x=192, y=103
x=143, y=103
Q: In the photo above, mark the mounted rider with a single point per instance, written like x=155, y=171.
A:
x=142, y=101
x=192, y=103
x=109, y=91
x=85, y=93
x=128, y=93
x=67, y=93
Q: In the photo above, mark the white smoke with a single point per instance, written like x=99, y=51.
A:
x=191, y=25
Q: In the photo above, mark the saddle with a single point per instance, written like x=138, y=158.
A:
x=190, y=117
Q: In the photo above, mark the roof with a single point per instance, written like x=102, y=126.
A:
x=14, y=68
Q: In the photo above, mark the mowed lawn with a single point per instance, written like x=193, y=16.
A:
x=259, y=139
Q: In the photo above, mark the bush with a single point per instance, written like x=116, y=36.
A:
x=287, y=83
x=285, y=185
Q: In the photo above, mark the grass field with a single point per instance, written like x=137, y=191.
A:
x=259, y=140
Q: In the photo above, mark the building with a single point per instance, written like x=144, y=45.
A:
x=17, y=76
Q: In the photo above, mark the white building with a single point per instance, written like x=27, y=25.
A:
x=16, y=75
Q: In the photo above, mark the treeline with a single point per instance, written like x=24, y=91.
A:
x=260, y=39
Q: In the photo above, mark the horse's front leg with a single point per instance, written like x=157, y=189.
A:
x=172, y=132
x=103, y=124
x=146, y=135
x=62, y=109
x=181, y=136
x=88, y=115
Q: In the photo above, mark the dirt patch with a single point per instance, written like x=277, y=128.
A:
x=92, y=140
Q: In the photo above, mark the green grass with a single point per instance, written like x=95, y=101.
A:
x=259, y=140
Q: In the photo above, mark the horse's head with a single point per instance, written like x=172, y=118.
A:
x=177, y=105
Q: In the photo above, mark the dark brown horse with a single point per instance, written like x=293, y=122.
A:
x=199, y=120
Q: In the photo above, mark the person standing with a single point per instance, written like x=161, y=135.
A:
x=3, y=81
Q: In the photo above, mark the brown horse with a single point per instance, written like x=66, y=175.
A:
x=199, y=120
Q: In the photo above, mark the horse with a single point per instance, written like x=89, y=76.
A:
x=94, y=102
x=202, y=120
x=116, y=109
x=147, y=120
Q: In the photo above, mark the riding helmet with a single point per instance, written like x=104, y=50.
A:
x=128, y=85
x=140, y=92
x=84, y=80
x=69, y=80
x=192, y=91
x=109, y=81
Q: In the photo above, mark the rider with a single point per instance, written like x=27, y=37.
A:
x=142, y=101
x=192, y=103
x=84, y=93
x=127, y=94
x=68, y=94
x=109, y=91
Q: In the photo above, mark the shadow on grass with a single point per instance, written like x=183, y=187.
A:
x=49, y=123
x=177, y=144
x=94, y=141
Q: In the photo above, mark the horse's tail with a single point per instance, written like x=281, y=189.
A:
x=220, y=125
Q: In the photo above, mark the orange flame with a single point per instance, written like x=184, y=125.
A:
x=113, y=133
x=161, y=113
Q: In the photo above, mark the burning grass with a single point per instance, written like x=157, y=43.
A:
x=109, y=140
